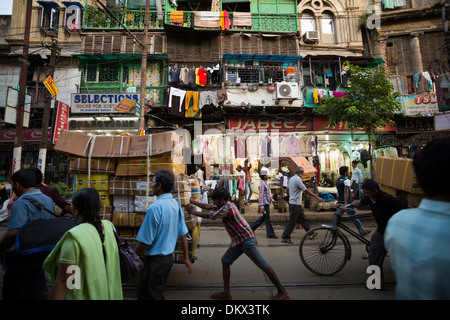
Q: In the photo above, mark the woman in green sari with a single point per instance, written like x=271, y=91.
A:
x=84, y=265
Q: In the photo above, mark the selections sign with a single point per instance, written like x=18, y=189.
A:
x=100, y=102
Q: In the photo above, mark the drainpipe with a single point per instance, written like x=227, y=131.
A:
x=159, y=12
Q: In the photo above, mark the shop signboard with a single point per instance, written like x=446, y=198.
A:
x=112, y=124
x=101, y=102
x=269, y=124
x=442, y=121
x=443, y=92
x=28, y=135
x=51, y=86
x=419, y=104
x=62, y=120
x=321, y=124
x=414, y=124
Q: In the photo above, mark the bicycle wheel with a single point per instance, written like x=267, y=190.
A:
x=325, y=254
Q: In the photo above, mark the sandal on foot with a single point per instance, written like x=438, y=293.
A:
x=220, y=295
x=312, y=235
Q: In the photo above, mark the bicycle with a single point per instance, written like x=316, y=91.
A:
x=328, y=249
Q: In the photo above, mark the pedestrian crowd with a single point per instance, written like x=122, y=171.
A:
x=417, y=239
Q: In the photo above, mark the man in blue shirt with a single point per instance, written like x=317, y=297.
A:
x=163, y=224
x=24, y=278
x=418, y=239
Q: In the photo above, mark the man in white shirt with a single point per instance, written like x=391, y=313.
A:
x=296, y=214
x=357, y=180
x=199, y=174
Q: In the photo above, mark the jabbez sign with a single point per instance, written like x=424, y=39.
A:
x=245, y=124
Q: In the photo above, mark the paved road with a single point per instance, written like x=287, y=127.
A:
x=249, y=283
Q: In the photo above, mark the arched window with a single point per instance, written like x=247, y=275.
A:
x=307, y=22
x=328, y=23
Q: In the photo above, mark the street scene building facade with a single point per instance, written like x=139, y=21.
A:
x=121, y=92
x=240, y=65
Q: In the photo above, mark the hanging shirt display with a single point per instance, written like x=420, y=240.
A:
x=176, y=102
x=252, y=144
x=192, y=107
x=292, y=147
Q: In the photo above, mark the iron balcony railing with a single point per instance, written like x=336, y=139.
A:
x=134, y=20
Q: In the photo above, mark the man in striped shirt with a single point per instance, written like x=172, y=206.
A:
x=264, y=201
x=242, y=240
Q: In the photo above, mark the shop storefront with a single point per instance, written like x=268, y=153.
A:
x=56, y=163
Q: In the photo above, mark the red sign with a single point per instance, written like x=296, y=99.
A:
x=269, y=124
x=321, y=124
x=62, y=121
x=28, y=135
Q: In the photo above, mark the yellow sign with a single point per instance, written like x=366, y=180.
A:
x=51, y=86
x=126, y=105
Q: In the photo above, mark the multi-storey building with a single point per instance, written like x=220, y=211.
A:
x=261, y=64
x=49, y=28
x=410, y=37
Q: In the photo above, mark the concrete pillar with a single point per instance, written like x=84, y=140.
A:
x=416, y=55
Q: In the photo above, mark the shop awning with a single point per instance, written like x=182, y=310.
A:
x=72, y=3
x=118, y=56
x=261, y=57
x=51, y=4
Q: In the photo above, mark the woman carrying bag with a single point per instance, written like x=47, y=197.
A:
x=85, y=264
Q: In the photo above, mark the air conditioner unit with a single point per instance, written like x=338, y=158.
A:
x=311, y=36
x=287, y=90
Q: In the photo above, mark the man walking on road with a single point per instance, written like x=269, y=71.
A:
x=243, y=241
x=296, y=213
x=163, y=224
x=264, y=201
x=24, y=278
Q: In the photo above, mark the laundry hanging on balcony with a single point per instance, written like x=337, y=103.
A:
x=224, y=20
x=242, y=19
x=176, y=16
x=207, y=19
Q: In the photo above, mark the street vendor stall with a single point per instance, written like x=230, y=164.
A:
x=121, y=168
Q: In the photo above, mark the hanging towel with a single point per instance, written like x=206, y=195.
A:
x=242, y=19
x=224, y=20
x=176, y=16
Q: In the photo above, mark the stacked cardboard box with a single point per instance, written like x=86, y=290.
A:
x=122, y=170
x=396, y=176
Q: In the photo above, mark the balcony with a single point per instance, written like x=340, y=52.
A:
x=134, y=20
x=244, y=22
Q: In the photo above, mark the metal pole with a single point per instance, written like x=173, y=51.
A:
x=16, y=164
x=46, y=117
x=144, y=68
